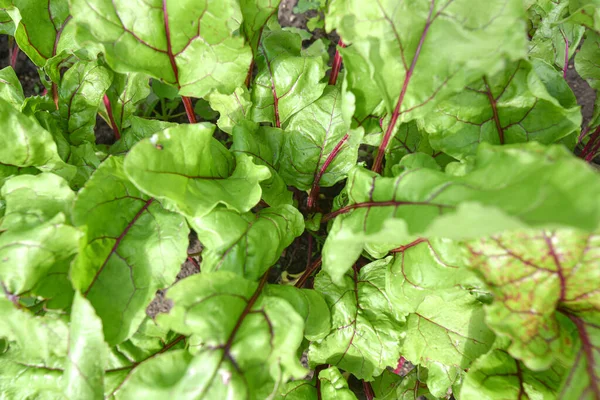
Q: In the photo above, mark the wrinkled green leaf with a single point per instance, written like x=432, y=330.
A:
x=139, y=129
x=334, y=386
x=431, y=48
x=312, y=136
x=222, y=366
x=34, y=200
x=116, y=277
x=508, y=187
x=81, y=91
x=204, y=177
x=125, y=93
x=250, y=243
x=264, y=145
x=526, y=101
x=287, y=81
x=233, y=108
x=256, y=14
x=365, y=334
x=186, y=44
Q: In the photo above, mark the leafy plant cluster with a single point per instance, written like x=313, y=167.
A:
x=415, y=200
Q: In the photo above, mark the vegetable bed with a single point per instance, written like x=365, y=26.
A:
x=360, y=199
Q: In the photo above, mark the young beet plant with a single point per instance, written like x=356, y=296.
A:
x=416, y=218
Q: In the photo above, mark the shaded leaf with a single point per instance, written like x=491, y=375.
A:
x=334, y=386
x=125, y=93
x=139, y=129
x=116, y=277
x=10, y=87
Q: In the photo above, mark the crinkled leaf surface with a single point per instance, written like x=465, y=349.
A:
x=312, y=137
x=524, y=102
x=227, y=315
x=247, y=244
x=193, y=173
x=334, y=386
x=425, y=49
x=508, y=187
x=264, y=145
x=532, y=274
x=233, y=108
x=81, y=91
x=365, y=334
x=446, y=335
x=548, y=41
x=287, y=81
x=187, y=44
x=26, y=144
x=586, y=13
x=111, y=271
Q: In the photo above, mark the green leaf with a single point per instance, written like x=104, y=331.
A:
x=194, y=185
x=40, y=28
x=548, y=41
x=286, y=81
x=310, y=305
x=247, y=244
x=312, y=137
x=498, y=375
x=424, y=268
x=81, y=91
x=299, y=390
x=365, y=334
x=139, y=129
x=7, y=26
x=264, y=145
x=26, y=144
x=524, y=102
x=531, y=274
x=508, y=187
x=256, y=14
x=36, y=250
x=34, y=200
x=179, y=42
x=431, y=48
x=86, y=360
x=583, y=379
x=125, y=93
x=222, y=366
x=116, y=277
x=86, y=159
x=445, y=335
x=10, y=87
x=334, y=386
x=233, y=108
x=586, y=13
x=23, y=381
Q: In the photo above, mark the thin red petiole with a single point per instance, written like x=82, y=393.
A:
x=189, y=109
x=111, y=117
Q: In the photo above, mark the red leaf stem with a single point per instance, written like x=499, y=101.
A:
x=566, y=53
x=314, y=192
x=336, y=65
x=309, y=271
x=111, y=117
x=189, y=109
x=390, y=129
